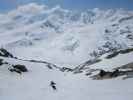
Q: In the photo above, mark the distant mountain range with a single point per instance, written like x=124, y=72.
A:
x=65, y=37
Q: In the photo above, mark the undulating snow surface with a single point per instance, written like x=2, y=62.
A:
x=65, y=38
x=35, y=85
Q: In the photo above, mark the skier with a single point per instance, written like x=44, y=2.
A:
x=53, y=85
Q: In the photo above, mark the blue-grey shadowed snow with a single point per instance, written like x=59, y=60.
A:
x=6, y=5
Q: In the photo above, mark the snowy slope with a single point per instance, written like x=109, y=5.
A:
x=35, y=85
x=55, y=44
x=105, y=64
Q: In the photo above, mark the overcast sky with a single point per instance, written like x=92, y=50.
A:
x=6, y=5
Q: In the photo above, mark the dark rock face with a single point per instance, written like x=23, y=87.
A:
x=49, y=66
x=102, y=73
x=80, y=68
x=21, y=68
x=107, y=74
x=115, y=73
x=63, y=69
x=14, y=70
x=5, y=53
x=126, y=51
x=114, y=54
x=130, y=36
x=127, y=66
x=18, y=69
x=125, y=19
x=112, y=74
x=1, y=62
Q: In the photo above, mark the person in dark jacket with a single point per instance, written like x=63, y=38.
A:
x=53, y=85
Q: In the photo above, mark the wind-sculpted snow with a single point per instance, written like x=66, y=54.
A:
x=62, y=36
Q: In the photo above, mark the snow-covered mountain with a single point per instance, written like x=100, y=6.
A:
x=57, y=35
x=39, y=44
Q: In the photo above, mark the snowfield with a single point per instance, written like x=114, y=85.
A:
x=34, y=85
x=46, y=40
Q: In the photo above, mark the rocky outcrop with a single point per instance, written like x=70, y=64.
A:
x=65, y=69
x=22, y=68
x=1, y=62
x=5, y=53
x=112, y=74
x=119, y=52
x=18, y=68
x=126, y=71
x=106, y=74
x=80, y=68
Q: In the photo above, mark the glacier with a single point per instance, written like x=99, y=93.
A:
x=57, y=34
x=65, y=46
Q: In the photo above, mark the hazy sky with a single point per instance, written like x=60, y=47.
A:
x=6, y=5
